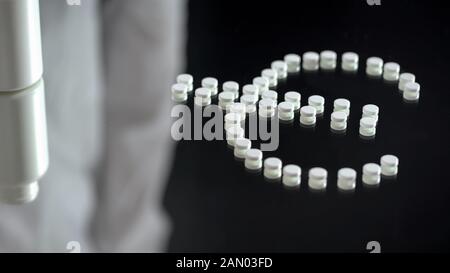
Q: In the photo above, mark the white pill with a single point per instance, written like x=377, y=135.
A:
x=271, y=75
x=267, y=108
x=225, y=99
x=212, y=84
x=346, y=179
x=370, y=111
x=253, y=159
x=389, y=165
x=202, y=96
x=238, y=108
x=342, y=105
x=404, y=79
x=286, y=111
x=241, y=146
x=350, y=61
x=232, y=119
x=311, y=61
x=270, y=95
x=261, y=83
x=250, y=89
x=308, y=115
x=317, y=102
x=374, y=66
x=294, y=98
x=411, y=91
x=292, y=175
x=367, y=127
x=234, y=133
x=272, y=168
x=231, y=86
x=250, y=103
x=179, y=92
x=328, y=60
x=371, y=174
x=293, y=62
x=391, y=71
x=281, y=68
x=338, y=121
x=187, y=80
x=317, y=178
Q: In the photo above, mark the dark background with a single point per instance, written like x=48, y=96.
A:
x=217, y=207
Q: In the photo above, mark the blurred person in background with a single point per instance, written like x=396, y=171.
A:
x=107, y=69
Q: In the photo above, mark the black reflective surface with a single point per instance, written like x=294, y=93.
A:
x=217, y=206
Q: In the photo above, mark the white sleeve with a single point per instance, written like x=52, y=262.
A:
x=143, y=46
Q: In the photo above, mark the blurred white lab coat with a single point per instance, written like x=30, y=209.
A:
x=108, y=65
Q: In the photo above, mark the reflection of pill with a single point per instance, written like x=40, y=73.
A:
x=261, y=83
x=350, y=61
x=404, y=79
x=281, y=68
x=179, y=92
x=341, y=105
x=317, y=102
x=202, y=96
x=187, y=80
x=317, y=178
x=370, y=111
x=311, y=61
x=231, y=86
x=367, y=127
x=234, y=133
x=294, y=98
x=389, y=165
x=371, y=174
x=253, y=159
x=292, y=175
x=286, y=111
x=293, y=62
x=270, y=95
x=411, y=91
x=346, y=179
x=374, y=66
x=212, y=84
x=328, y=60
x=225, y=99
x=271, y=75
x=391, y=71
x=308, y=115
x=338, y=121
x=272, y=168
x=241, y=146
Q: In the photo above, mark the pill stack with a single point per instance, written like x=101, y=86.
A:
x=267, y=108
x=311, y=61
x=281, y=68
x=250, y=89
x=225, y=100
x=328, y=60
x=338, y=121
x=371, y=174
x=367, y=127
x=411, y=91
x=350, y=61
x=234, y=133
x=308, y=115
x=370, y=111
x=293, y=62
x=232, y=119
x=374, y=66
x=286, y=111
x=253, y=159
x=317, y=178
x=238, y=108
x=389, y=165
x=342, y=105
x=241, y=146
x=270, y=95
x=231, y=86
x=272, y=168
x=250, y=103
x=317, y=102
x=262, y=84
x=212, y=84
x=404, y=79
x=202, y=96
x=188, y=80
x=271, y=75
x=292, y=175
x=346, y=179
x=391, y=71
x=179, y=92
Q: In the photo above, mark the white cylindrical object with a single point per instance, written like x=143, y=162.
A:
x=292, y=175
x=294, y=98
x=411, y=91
x=404, y=79
x=212, y=84
x=311, y=61
x=367, y=127
x=286, y=111
x=241, y=146
x=231, y=86
x=262, y=84
x=281, y=68
x=328, y=60
x=371, y=174
x=250, y=89
x=317, y=178
x=226, y=99
x=317, y=102
x=250, y=103
x=267, y=108
x=179, y=92
x=188, y=80
x=342, y=105
x=370, y=111
x=391, y=71
x=271, y=75
x=232, y=119
x=350, y=61
x=253, y=159
x=346, y=179
x=23, y=143
x=338, y=121
x=238, y=108
x=293, y=62
x=374, y=66
x=272, y=168
x=308, y=115
x=202, y=96
x=234, y=133
x=270, y=95
x=389, y=165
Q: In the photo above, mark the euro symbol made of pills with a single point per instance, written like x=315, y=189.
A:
x=258, y=100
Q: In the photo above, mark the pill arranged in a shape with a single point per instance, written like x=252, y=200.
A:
x=272, y=168
x=338, y=121
x=346, y=179
x=234, y=133
x=281, y=68
x=212, y=84
x=271, y=75
x=411, y=91
x=292, y=175
x=350, y=61
x=404, y=79
x=294, y=98
x=308, y=115
x=286, y=111
x=267, y=108
x=341, y=105
x=391, y=71
x=231, y=86
x=253, y=159
x=317, y=102
x=186, y=79
x=241, y=146
x=202, y=96
x=179, y=92
x=293, y=62
x=328, y=60
x=262, y=84
x=371, y=174
x=226, y=99
x=317, y=178
x=374, y=66
x=311, y=61
x=389, y=165
x=367, y=127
